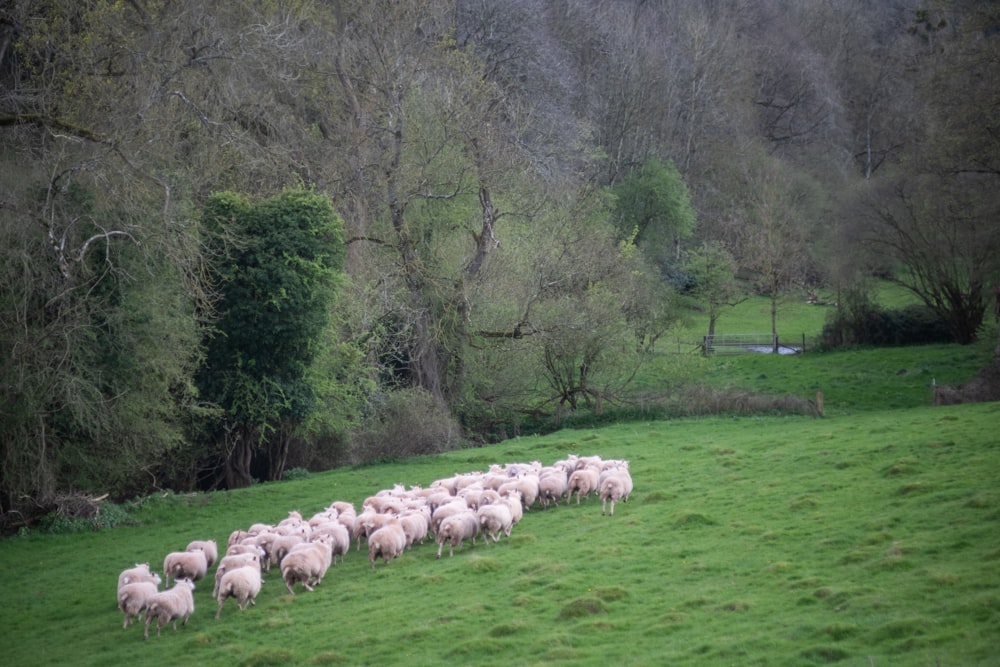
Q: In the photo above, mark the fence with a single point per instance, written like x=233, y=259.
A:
x=743, y=343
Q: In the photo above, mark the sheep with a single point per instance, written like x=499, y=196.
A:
x=283, y=544
x=170, y=605
x=265, y=542
x=140, y=572
x=210, y=548
x=191, y=565
x=527, y=484
x=236, y=549
x=616, y=486
x=583, y=481
x=132, y=599
x=552, y=486
x=237, y=537
x=494, y=519
x=415, y=525
x=242, y=583
x=233, y=561
x=457, y=528
x=456, y=505
x=389, y=541
x=340, y=538
x=515, y=505
x=307, y=564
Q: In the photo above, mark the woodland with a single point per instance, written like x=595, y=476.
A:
x=241, y=237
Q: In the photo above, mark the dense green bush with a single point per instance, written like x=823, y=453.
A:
x=860, y=321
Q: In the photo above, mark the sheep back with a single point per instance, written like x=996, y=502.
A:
x=242, y=583
x=170, y=605
x=132, y=599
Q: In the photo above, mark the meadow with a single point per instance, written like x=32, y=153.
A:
x=868, y=537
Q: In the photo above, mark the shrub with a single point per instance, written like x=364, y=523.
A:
x=410, y=422
x=860, y=321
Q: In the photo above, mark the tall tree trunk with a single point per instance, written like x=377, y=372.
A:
x=239, y=455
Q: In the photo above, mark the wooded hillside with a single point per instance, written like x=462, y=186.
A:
x=235, y=236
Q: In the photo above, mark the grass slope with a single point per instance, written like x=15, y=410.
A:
x=863, y=540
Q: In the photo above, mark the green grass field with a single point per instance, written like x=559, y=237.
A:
x=869, y=537
x=864, y=539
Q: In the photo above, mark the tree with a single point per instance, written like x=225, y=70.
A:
x=278, y=267
x=936, y=211
x=940, y=228
x=774, y=228
x=712, y=270
x=653, y=207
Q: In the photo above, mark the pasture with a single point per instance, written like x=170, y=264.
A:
x=864, y=539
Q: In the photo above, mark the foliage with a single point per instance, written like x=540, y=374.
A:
x=713, y=274
x=653, y=208
x=470, y=148
x=409, y=422
x=278, y=267
x=860, y=321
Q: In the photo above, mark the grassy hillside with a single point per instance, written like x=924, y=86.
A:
x=868, y=539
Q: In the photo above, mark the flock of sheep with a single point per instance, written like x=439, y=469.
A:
x=453, y=509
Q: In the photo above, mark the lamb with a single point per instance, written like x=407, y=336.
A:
x=210, y=548
x=242, y=583
x=307, y=564
x=233, y=561
x=583, y=481
x=170, y=605
x=457, y=528
x=494, y=519
x=132, y=599
x=389, y=541
x=140, y=572
x=617, y=485
x=191, y=565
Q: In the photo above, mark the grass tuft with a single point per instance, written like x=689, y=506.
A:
x=581, y=607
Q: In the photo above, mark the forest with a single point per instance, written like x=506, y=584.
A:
x=237, y=238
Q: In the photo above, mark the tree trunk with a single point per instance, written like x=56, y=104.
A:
x=774, y=320
x=239, y=455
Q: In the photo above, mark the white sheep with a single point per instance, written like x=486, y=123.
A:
x=170, y=605
x=527, y=485
x=389, y=541
x=284, y=543
x=617, y=485
x=514, y=503
x=191, y=565
x=457, y=528
x=132, y=599
x=583, y=481
x=495, y=519
x=140, y=572
x=340, y=538
x=233, y=561
x=552, y=486
x=210, y=548
x=242, y=583
x=455, y=506
x=307, y=564
x=415, y=526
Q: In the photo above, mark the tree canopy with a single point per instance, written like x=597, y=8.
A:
x=231, y=233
